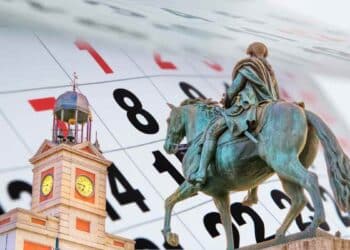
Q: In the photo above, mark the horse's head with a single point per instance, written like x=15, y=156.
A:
x=176, y=130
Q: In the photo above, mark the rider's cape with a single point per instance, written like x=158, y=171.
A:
x=259, y=88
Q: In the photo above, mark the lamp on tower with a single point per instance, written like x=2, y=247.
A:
x=71, y=117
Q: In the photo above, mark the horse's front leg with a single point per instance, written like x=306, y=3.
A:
x=183, y=192
x=223, y=205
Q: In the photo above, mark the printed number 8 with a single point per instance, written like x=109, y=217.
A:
x=151, y=127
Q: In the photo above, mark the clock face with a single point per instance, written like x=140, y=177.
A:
x=47, y=184
x=84, y=185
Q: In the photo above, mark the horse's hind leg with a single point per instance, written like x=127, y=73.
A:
x=251, y=198
x=183, y=192
x=290, y=168
x=298, y=202
x=223, y=205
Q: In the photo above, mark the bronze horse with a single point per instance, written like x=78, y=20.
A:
x=287, y=145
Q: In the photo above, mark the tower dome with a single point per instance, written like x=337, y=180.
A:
x=69, y=102
x=71, y=118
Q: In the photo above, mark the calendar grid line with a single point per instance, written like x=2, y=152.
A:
x=15, y=168
x=188, y=229
x=18, y=135
x=278, y=221
x=205, y=79
x=109, y=81
x=52, y=56
x=133, y=146
x=125, y=151
x=140, y=68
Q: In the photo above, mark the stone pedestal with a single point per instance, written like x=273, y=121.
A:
x=320, y=240
x=320, y=243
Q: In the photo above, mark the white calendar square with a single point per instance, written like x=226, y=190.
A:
x=25, y=63
x=178, y=89
x=220, y=83
x=160, y=63
x=149, y=236
x=133, y=111
x=15, y=152
x=130, y=193
x=208, y=66
x=28, y=119
x=94, y=60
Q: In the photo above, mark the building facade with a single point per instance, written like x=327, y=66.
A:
x=68, y=208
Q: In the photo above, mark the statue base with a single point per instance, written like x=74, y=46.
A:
x=303, y=241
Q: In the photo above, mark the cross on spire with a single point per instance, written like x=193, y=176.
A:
x=75, y=77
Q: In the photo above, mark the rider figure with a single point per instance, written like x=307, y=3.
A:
x=253, y=83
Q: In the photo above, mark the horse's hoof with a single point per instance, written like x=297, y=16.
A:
x=310, y=231
x=279, y=236
x=172, y=239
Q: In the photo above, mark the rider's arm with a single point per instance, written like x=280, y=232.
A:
x=237, y=85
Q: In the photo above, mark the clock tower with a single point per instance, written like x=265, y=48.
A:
x=69, y=182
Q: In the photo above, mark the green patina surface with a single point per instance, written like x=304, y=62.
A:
x=222, y=155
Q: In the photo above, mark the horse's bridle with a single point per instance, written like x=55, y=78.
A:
x=180, y=147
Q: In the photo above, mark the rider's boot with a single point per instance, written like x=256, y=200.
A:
x=206, y=156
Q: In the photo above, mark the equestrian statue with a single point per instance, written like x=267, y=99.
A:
x=252, y=136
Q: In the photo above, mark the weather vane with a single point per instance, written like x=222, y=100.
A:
x=74, y=81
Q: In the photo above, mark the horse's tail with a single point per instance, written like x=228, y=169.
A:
x=338, y=163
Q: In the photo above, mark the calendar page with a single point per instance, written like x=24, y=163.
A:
x=131, y=59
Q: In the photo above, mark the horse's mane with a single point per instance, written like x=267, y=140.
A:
x=207, y=101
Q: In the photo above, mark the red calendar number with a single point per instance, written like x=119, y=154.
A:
x=48, y=103
x=215, y=66
x=83, y=45
x=42, y=104
x=163, y=64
